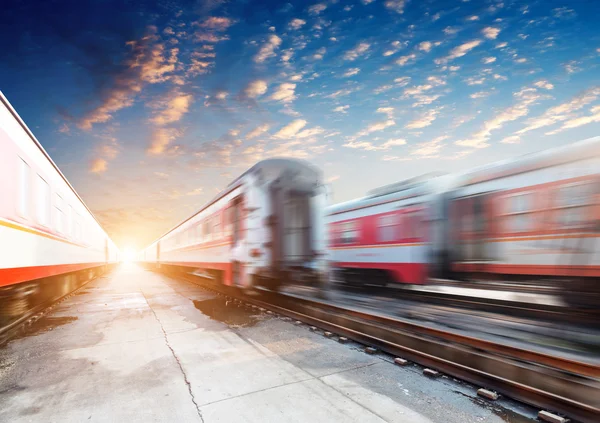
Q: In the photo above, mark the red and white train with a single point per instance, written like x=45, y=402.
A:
x=267, y=226
x=49, y=240
x=533, y=218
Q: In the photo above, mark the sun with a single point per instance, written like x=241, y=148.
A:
x=128, y=255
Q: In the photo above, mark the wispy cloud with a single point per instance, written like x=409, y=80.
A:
x=290, y=129
x=258, y=131
x=172, y=108
x=356, y=52
x=459, y=51
x=341, y=109
x=580, y=121
x=490, y=32
x=525, y=98
x=425, y=46
x=396, y=5
x=268, y=49
x=255, y=88
x=424, y=120
x=296, y=23
x=316, y=9
x=403, y=60
x=284, y=93
x=161, y=138
x=562, y=111
x=98, y=165
x=351, y=72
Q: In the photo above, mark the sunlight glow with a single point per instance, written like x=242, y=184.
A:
x=129, y=255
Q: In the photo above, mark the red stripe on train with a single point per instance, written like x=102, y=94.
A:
x=14, y=275
x=530, y=269
x=414, y=273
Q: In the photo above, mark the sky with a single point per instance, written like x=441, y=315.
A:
x=151, y=108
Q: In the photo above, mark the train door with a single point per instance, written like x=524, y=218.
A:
x=237, y=234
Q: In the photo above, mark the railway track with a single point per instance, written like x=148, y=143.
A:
x=564, y=386
x=540, y=312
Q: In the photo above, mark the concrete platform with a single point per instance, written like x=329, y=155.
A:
x=136, y=346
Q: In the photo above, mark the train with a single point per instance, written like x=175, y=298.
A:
x=265, y=227
x=535, y=218
x=51, y=242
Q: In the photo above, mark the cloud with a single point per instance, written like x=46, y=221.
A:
x=526, y=98
x=425, y=46
x=396, y=5
x=290, y=129
x=309, y=133
x=544, y=84
x=98, y=165
x=563, y=111
x=351, y=72
x=480, y=94
x=369, y=146
x=572, y=67
x=319, y=53
x=359, y=50
x=316, y=9
x=450, y=30
x=218, y=23
x=488, y=60
x=268, y=48
x=284, y=93
x=403, y=60
x=473, y=18
x=173, y=109
x=388, y=111
x=423, y=120
x=161, y=138
x=375, y=127
x=147, y=63
x=341, y=93
x=255, y=88
x=490, y=32
x=258, y=131
x=513, y=139
x=580, y=121
x=459, y=51
x=429, y=149
x=341, y=109
x=297, y=23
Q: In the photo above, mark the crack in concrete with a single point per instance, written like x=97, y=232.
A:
x=183, y=373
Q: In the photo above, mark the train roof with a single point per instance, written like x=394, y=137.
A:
x=579, y=150
x=409, y=188
x=270, y=168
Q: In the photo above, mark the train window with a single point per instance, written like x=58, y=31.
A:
x=217, y=225
x=77, y=227
x=520, y=207
x=349, y=233
x=387, y=228
x=43, y=201
x=25, y=189
x=573, y=202
x=59, y=214
x=70, y=221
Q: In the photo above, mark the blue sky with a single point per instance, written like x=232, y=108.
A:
x=150, y=108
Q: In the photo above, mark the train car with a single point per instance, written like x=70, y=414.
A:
x=395, y=234
x=266, y=227
x=533, y=218
x=49, y=240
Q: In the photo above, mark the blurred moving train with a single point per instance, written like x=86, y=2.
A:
x=50, y=242
x=267, y=226
x=536, y=218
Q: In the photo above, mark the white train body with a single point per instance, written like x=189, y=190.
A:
x=45, y=228
x=536, y=216
x=268, y=225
